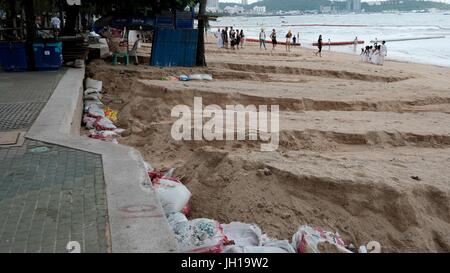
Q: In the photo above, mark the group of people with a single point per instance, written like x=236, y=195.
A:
x=230, y=38
x=374, y=54
x=290, y=39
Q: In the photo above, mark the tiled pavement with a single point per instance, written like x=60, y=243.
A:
x=49, y=195
x=23, y=95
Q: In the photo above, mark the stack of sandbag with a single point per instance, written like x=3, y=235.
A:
x=97, y=118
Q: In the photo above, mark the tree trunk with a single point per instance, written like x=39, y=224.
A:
x=201, y=61
x=71, y=22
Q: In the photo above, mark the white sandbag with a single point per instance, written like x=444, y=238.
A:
x=94, y=84
x=176, y=218
x=89, y=122
x=89, y=103
x=199, y=236
x=91, y=91
x=92, y=96
x=104, y=124
x=95, y=111
x=255, y=249
x=243, y=234
x=174, y=196
x=200, y=77
x=316, y=240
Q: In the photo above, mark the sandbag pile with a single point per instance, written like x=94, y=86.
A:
x=209, y=236
x=97, y=118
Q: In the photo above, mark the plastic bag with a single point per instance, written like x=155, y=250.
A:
x=111, y=114
x=94, y=84
x=103, y=124
x=316, y=240
x=200, y=77
x=243, y=234
x=184, y=78
x=275, y=246
x=95, y=111
x=199, y=235
x=174, y=196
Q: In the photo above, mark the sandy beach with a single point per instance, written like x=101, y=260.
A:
x=364, y=149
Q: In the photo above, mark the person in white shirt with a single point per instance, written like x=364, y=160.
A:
x=219, y=40
x=383, y=52
x=56, y=24
x=262, y=39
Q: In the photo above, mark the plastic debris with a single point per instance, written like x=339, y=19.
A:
x=184, y=78
x=316, y=240
x=111, y=114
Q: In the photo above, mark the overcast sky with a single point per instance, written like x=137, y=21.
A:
x=252, y=1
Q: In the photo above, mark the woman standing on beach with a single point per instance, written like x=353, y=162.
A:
x=288, y=41
x=262, y=39
x=242, y=38
x=319, y=45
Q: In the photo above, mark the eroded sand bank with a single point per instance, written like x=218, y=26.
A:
x=364, y=150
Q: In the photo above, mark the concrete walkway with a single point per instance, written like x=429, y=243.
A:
x=49, y=194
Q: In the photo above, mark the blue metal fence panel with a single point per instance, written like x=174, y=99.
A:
x=174, y=47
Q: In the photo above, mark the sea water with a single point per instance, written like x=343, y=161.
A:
x=366, y=27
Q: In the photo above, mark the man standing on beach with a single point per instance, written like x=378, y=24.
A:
x=225, y=37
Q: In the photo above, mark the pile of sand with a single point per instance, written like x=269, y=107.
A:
x=364, y=150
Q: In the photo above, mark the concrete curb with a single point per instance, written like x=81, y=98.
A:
x=136, y=219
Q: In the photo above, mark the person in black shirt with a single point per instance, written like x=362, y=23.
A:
x=319, y=45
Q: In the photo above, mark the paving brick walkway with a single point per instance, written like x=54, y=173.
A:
x=49, y=195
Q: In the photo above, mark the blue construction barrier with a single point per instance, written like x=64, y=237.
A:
x=174, y=47
x=48, y=56
x=13, y=56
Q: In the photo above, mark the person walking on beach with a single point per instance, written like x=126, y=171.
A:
x=273, y=37
x=225, y=37
x=383, y=52
x=262, y=39
x=355, y=42
x=242, y=38
x=319, y=45
x=219, y=40
x=288, y=41
x=294, y=40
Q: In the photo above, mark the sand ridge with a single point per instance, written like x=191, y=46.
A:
x=364, y=150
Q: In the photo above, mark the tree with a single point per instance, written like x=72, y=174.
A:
x=201, y=60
